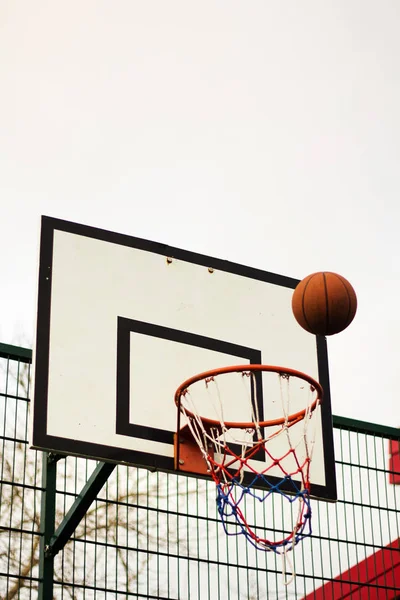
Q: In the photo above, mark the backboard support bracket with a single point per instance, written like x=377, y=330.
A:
x=188, y=457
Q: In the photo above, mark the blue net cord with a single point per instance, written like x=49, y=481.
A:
x=235, y=523
x=234, y=489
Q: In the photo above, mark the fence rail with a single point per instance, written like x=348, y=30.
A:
x=157, y=535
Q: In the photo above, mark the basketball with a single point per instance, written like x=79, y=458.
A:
x=324, y=303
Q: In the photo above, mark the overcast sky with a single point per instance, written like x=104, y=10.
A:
x=266, y=133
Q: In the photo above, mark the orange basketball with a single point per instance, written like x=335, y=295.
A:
x=324, y=303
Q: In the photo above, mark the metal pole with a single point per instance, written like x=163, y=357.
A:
x=47, y=525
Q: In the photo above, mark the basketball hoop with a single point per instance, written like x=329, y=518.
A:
x=241, y=456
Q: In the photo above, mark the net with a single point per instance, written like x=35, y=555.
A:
x=257, y=458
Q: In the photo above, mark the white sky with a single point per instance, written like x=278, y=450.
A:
x=266, y=133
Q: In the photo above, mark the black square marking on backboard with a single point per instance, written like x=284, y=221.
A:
x=124, y=424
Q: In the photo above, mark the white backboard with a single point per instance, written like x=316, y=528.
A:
x=123, y=321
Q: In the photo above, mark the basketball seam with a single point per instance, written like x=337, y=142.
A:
x=349, y=299
x=303, y=296
x=326, y=304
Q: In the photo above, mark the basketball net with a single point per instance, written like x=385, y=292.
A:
x=256, y=459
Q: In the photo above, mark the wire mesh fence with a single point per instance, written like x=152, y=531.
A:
x=156, y=535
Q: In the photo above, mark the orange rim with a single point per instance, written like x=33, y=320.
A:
x=291, y=419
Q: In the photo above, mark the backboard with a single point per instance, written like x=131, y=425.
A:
x=123, y=321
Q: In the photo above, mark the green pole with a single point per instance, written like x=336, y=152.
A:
x=47, y=526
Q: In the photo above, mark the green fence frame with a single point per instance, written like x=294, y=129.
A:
x=74, y=528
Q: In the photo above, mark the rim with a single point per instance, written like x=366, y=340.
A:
x=291, y=419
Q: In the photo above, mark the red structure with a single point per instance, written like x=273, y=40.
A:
x=394, y=461
x=362, y=581
x=371, y=578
